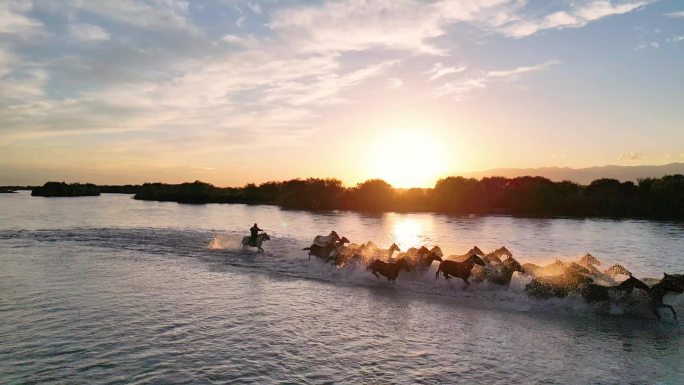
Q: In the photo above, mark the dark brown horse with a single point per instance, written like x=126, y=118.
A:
x=459, y=269
x=388, y=269
x=594, y=293
x=671, y=283
x=676, y=278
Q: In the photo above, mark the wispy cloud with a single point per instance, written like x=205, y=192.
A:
x=356, y=25
x=150, y=14
x=438, y=70
x=394, y=83
x=578, y=16
x=15, y=21
x=148, y=74
x=483, y=79
x=88, y=32
x=675, y=14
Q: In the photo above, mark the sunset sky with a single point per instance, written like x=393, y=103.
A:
x=231, y=92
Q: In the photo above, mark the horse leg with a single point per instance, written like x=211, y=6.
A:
x=375, y=274
x=467, y=283
x=654, y=308
x=674, y=314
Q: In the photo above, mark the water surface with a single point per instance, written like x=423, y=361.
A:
x=112, y=290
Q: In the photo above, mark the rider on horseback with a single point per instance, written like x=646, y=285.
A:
x=254, y=231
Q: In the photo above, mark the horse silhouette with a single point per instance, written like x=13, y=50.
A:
x=462, y=258
x=388, y=269
x=459, y=269
x=326, y=251
x=594, y=293
x=671, y=283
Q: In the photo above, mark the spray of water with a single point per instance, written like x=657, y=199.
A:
x=224, y=241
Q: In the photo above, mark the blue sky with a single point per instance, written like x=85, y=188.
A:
x=238, y=91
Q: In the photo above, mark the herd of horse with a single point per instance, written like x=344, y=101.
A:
x=558, y=279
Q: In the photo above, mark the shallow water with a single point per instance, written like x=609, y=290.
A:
x=112, y=290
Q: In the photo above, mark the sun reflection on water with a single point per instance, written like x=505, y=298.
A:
x=409, y=231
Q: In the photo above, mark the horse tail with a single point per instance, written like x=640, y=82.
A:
x=307, y=248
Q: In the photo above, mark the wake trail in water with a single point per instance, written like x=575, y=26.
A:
x=284, y=258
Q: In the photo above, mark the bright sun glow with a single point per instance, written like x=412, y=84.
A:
x=408, y=158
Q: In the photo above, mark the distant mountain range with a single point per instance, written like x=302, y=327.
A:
x=585, y=175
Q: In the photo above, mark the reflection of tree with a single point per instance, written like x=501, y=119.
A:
x=530, y=196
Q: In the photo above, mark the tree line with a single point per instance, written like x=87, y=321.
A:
x=658, y=198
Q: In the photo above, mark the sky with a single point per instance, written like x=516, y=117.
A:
x=231, y=92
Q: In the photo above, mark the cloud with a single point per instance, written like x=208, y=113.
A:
x=150, y=14
x=256, y=8
x=13, y=20
x=675, y=14
x=394, y=83
x=644, y=45
x=240, y=22
x=482, y=80
x=26, y=86
x=88, y=32
x=232, y=39
x=578, y=16
x=356, y=25
x=438, y=70
x=632, y=155
x=7, y=61
x=159, y=79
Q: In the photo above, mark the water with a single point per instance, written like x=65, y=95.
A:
x=112, y=290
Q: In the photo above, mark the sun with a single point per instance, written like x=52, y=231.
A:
x=408, y=158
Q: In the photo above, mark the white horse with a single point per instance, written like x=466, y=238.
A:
x=325, y=240
x=259, y=241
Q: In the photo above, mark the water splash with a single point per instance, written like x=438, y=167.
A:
x=224, y=241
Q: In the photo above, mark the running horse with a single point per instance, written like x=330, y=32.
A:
x=556, y=285
x=328, y=251
x=422, y=262
x=324, y=240
x=505, y=272
x=459, y=269
x=461, y=258
x=594, y=293
x=260, y=239
x=669, y=284
x=495, y=256
x=388, y=269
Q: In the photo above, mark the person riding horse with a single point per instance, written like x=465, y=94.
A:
x=254, y=231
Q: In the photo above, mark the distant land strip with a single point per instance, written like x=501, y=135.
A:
x=649, y=198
